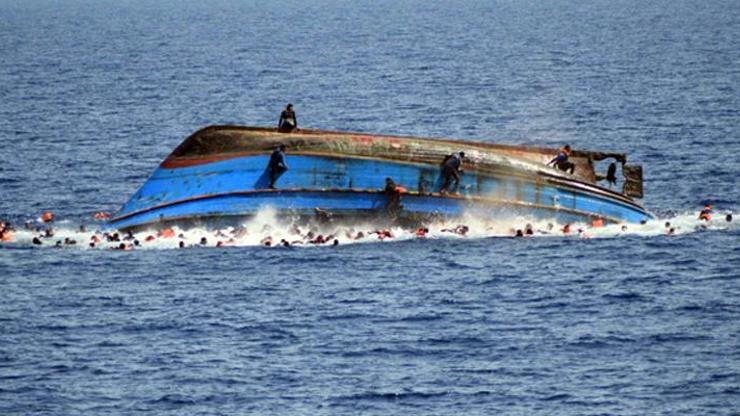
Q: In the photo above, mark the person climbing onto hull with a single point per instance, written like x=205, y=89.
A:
x=451, y=171
x=393, y=191
x=277, y=165
x=561, y=160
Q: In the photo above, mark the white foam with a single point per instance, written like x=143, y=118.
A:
x=266, y=224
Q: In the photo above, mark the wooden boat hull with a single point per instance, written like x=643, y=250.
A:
x=222, y=171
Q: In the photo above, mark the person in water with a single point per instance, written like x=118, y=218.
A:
x=277, y=165
x=706, y=213
x=288, y=121
x=47, y=216
x=323, y=216
x=6, y=232
x=561, y=160
x=451, y=170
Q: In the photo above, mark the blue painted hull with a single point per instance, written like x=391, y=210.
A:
x=352, y=186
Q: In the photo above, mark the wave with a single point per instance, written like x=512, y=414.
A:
x=389, y=396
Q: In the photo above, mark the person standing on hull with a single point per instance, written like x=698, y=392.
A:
x=277, y=165
x=561, y=160
x=451, y=170
x=288, y=121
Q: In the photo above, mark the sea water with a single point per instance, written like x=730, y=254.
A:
x=603, y=321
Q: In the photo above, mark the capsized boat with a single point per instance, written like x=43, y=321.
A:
x=221, y=172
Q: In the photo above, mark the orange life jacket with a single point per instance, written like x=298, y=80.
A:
x=167, y=233
x=101, y=215
x=47, y=216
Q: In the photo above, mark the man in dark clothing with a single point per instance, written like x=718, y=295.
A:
x=277, y=165
x=611, y=174
x=393, y=207
x=561, y=160
x=288, y=121
x=451, y=170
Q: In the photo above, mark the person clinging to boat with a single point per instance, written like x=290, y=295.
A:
x=561, y=160
x=393, y=191
x=277, y=165
x=288, y=121
x=451, y=170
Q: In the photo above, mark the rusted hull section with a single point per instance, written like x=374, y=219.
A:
x=223, y=142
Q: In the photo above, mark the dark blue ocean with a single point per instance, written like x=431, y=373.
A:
x=94, y=94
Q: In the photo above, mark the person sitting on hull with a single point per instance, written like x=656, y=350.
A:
x=288, y=121
x=451, y=170
x=277, y=165
x=561, y=160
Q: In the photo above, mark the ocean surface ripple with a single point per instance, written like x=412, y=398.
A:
x=95, y=94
